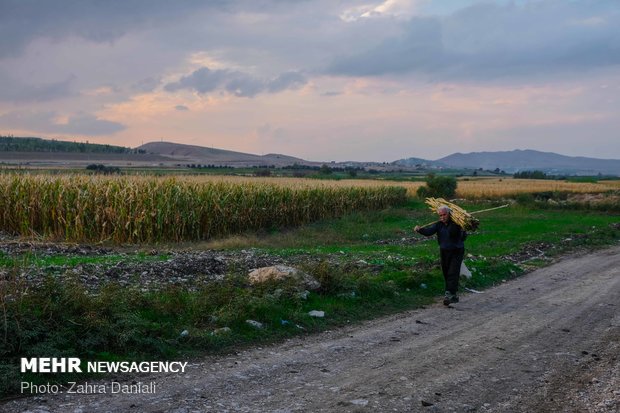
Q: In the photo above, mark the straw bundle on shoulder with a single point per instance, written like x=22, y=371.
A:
x=463, y=218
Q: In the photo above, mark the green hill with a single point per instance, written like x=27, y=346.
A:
x=28, y=144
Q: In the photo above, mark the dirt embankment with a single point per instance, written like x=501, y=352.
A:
x=546, y=342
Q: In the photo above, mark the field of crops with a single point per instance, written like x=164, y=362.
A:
x=494, y=188
x=150, y=209
x=497, y=187
x=153, y=209
x=469, y=188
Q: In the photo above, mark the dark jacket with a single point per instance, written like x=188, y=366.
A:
x=450, y=236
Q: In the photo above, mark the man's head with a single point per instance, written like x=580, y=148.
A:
x=444, y=213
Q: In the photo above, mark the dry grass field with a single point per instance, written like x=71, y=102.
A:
x=470, y=188
x=497, y=187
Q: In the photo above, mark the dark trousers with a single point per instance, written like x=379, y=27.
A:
x=451, y=267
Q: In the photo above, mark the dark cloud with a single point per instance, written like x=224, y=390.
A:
x=146, y=85
x=242, y=85
x=331, y=94
x=205, y=80
x=420, y=49
x=181, y=108
x=21, y=21
x=288, y=80
x=12, y=90
x=80, y=124
x=86, y=124
x=490, y=41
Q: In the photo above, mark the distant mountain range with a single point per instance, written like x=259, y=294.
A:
x=507, y=161
x=523, y=160
x=36, y=151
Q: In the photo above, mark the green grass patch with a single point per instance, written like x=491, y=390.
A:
x=29, y=259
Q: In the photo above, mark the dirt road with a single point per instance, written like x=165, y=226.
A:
x=546, y=342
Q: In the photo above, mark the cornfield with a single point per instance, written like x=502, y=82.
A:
x=150, y=209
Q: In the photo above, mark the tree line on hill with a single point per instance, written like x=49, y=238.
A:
x=530, y=175
x=18, y=144
x=103, y=169
x=543, y=175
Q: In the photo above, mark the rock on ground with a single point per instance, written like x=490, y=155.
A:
x=281, y=273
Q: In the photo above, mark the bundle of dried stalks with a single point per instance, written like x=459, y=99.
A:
x=466, y=220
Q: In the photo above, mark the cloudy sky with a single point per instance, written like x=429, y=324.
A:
x=369, y=80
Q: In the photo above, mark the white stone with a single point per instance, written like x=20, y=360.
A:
x=220, y=331
x=317, y=313
x=254, y=323
x=281, y=273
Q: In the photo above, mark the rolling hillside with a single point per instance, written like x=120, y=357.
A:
x=213, y=156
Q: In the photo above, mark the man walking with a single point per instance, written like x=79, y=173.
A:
x=450, y=237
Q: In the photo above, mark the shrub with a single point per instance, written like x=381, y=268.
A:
x=438, y=187
x=102, y=169
x=530, y=175
x=525, y=199
x=262, y=172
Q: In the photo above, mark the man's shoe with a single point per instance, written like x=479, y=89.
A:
x=450, y=298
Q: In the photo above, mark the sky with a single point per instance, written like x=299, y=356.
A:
x=322, y=80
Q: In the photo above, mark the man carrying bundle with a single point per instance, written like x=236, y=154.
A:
x=451, y=237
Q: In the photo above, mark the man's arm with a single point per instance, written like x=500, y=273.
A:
x=426, y=230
